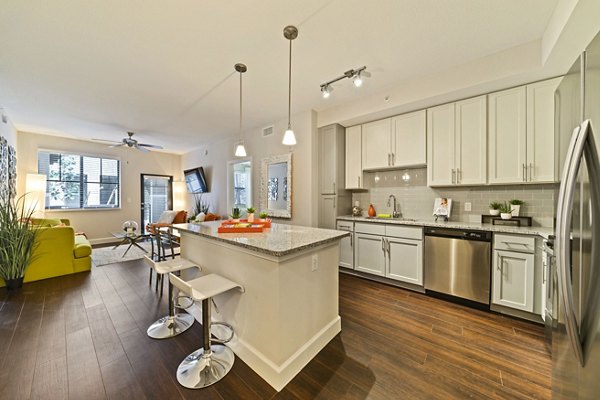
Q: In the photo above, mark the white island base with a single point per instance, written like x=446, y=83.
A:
x=289, y=310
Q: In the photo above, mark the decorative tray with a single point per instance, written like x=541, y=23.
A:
x=266, y=223
x=240, y=227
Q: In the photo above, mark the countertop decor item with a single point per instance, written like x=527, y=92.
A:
x=356, y=210
x=495, y=208
x=372, y=212
x=442, y=207
x=515, y=206
x=235, y=214
x=505, y=211
x=250, y=211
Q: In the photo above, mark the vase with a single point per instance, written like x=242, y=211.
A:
x=14, y=284
x=505, y=215
x=372, y=212
x=515, y=210
x=495, y=212
x=250, y=217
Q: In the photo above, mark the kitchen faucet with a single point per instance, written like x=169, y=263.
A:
x=395, y=213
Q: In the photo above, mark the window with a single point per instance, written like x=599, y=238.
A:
x=240, y=185
x=80, y=182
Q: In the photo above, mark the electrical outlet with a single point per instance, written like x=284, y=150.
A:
x=315, y=262
x=467, y=206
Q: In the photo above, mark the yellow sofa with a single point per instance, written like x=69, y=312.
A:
x=58, y=251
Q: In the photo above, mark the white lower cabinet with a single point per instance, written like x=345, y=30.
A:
x=346, y=245
x=405, y=260
x=370, y=254
x=392, y=251
x=514, y=280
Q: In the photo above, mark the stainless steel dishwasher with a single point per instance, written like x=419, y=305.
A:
x=457, y=263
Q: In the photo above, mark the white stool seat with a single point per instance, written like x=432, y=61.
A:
x=168, y=266
x=204, y=287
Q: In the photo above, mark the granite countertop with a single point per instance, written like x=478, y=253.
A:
x=280, y=240
x=521, y=230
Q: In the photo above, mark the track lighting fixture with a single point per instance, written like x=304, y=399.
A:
x=356, y=75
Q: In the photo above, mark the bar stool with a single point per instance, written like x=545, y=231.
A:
x=174, y=323
x=212, y=362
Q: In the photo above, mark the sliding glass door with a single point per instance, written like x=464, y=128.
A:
x=157, y=196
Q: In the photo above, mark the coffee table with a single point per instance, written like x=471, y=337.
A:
x=131, y=238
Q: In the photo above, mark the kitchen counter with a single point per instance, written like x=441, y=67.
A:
x=280, y=240
x=288, y=311
x=521, y=230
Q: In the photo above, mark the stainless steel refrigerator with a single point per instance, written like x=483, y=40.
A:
x=576, y=323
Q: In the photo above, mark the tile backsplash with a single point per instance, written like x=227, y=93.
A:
x=415, y=198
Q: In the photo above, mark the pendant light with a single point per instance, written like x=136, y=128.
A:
x=289, y=139
x=240, y=150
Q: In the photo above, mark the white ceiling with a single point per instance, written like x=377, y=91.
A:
x=165, y=69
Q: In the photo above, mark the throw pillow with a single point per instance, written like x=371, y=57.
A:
x=167, y=217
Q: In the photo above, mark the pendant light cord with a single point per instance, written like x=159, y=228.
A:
x=290, y=89
x=240, y=106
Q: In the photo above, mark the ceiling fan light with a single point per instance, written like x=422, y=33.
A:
x=289, y=139
x=240, y=150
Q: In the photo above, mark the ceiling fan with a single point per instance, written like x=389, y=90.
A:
x=130, y=142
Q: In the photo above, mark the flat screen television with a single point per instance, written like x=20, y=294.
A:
x=195, y=180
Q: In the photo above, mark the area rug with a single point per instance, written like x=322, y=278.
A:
x=106, y=255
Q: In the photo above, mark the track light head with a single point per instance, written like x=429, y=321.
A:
x=326, y=91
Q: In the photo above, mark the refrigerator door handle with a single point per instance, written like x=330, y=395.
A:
x=584, y=142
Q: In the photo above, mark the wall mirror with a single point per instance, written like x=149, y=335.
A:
x=276, y=186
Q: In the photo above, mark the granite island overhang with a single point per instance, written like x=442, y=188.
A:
x=289, y=309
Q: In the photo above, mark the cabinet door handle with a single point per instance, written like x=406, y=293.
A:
x=389, y=159
x=393, y=158
x=333, y=187
x=351, y=240
x=383, y=245
x=530, y=172
x=457, y=176
x=387, y=241
x=524, y=173
x=453, y=176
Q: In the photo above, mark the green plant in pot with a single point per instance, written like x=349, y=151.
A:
x=250, y=211
x=235, y=214
x=505, y=211
x=515, y=206
x=495, y=208
x=17, y=241
x=263, y=215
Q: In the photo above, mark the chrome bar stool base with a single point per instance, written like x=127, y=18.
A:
x=170, y=326
x=201, y=369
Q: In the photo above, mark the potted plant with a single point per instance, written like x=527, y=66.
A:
x=235, y=214
x=250, y=211
x=505, y=211
x=495, y=208
x=263, y=215
x=516, y=206
x=17, y=241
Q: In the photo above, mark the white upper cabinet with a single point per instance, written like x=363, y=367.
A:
x=440, y=145
x=470, y=140
x=354, y=178
x=508, y=136
x=457, y=139
x=409, y=139
x=540, y=131
x=376, y=144
x=327, y=162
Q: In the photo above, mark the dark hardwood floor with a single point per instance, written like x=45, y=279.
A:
x=84, y=337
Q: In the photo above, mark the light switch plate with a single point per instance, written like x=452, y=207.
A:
x=467, y=206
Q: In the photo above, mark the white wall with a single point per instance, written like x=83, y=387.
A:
x=98, y=224
x=214, y=158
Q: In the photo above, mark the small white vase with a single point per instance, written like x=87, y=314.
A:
x=236, y=220
x=505, y=215
x=515, y=210
x=250, y=217
x=495, y=213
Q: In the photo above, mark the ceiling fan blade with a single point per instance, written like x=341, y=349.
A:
x=142, y=149
x=154, y=146
x=112, y=146
x=107, y=141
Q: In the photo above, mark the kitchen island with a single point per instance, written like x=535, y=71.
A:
x=289, y=309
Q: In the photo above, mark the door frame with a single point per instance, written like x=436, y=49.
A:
x=169, y=199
